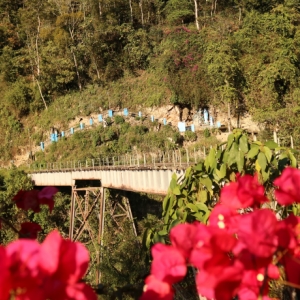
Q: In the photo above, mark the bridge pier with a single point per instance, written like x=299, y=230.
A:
x=87, y=221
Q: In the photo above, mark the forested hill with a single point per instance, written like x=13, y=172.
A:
x=59, y=54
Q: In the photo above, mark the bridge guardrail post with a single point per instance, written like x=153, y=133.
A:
x=187, y=155
x=180, y=158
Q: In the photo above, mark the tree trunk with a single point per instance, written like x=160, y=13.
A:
x=142, y=13
x=77, y=71
x=41, y=93
x=229, y=119
x=37, y=58
x=196, y=14
x=131, y=13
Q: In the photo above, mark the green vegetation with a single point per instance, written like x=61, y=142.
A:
x=60, y=60
x=193, y=197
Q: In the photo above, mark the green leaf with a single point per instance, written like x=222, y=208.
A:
x=243, y=143
x=202, y=196
x=176, y=190
x=192, y=207
x=253, y=152
x=202, y=206
x=218, y=154
x=163, y=232
x=293, y=159
x=262, y=161
x=210, y=161
x=206, y=182
x=173, y=182
x=225, y=157
x=166, y=204
x=230, y=140
x=174, y=223
x=158, y=238
x=223, y=170
x=147, y=238
x=268, y=153
x=240, y=161
x=271, y=145
x=233, y=154
x=265, y=175
x=199, y=167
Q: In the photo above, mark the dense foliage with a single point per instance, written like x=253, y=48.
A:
x=194, y=53
x=192, y=197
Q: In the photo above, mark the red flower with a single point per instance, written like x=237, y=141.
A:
x=182, y=238
x=291, y=265
x=221, y=284
x=64, y=263
x=156, y=289
x=5, y=280
x=246, y=192
x=33, y=199
x=29, y=230
x=168, y=263
x=224, y=217
x=46, y=196
x=257, y=232
x=28, y=200
x=288, y=184
x=24, y=264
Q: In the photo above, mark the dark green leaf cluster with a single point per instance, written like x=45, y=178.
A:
x=192, y=197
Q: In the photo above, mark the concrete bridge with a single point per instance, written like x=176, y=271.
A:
x=148, y=173
x=147, y=180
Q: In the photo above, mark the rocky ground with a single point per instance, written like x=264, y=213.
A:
x=173, y=115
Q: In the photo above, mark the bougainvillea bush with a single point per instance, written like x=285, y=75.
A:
x=51, y=270
x=240, y=250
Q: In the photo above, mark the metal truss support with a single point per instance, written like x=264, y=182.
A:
x=86, y=218
x=120, y=211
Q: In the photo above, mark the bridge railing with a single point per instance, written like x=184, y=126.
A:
x=170, y=159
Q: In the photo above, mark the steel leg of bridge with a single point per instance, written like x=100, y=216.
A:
x=100, y=232
x=84, y=223
x=72, y=215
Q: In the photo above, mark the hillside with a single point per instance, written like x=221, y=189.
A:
x=64, y=60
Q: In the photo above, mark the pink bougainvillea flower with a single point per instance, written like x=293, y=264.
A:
x=257, y=232
x=33, y=199
x=221, y=283
x=24, y=264
x=212, y=247
x=246, y=192
x=156, y=289
x=5, y=279
x=224, y=217
x=168, y=264
x=287, y=232
x=64, y=263
x=291, y=265
x=182, y=238
x=29, y=230
x=46, y=196
x=288, y=190
x=255, y=282
x=28, y=200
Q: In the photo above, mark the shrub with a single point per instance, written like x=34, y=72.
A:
x=190, y=136
x=206, y=133
x=119, y=120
